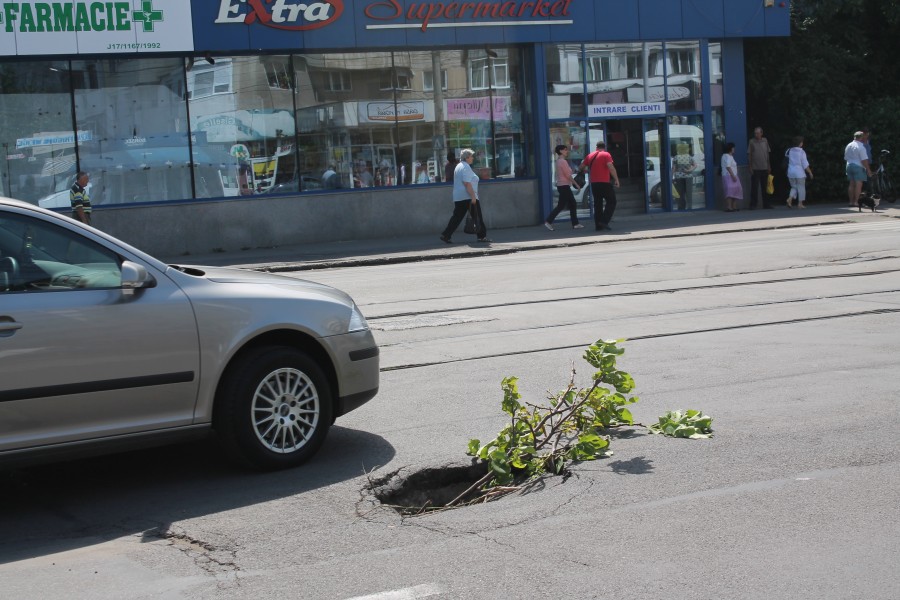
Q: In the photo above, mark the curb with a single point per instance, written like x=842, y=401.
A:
x=512, y=248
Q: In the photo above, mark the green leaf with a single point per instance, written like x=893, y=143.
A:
x=474, y=445
x=692, y=424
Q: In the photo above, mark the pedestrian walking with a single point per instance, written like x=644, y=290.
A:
x=465, y=198
x=564, y=180
x=857, y=169
x=731, y=184
x=797, y=172
x=600, y=164
x=80, y=198
x=758, y=151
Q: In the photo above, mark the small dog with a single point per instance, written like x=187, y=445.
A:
x=868, y=201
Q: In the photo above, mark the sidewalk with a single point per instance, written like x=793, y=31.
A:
x=422, y=247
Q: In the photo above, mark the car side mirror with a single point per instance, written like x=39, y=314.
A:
x=135, y=276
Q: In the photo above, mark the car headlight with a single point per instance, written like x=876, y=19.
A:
x=357, y=320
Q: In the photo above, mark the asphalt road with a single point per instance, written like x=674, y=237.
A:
x=788, y=338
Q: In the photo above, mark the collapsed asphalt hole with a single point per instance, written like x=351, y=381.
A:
x=428, y=489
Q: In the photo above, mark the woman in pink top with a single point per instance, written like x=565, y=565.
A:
x=564, y=180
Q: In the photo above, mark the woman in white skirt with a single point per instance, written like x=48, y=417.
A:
x=797, y=171
x=734, y=192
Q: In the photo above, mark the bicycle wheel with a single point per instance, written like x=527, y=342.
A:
x=888, y=192
x=877, y=184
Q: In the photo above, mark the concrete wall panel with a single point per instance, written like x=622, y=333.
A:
x=184, y=229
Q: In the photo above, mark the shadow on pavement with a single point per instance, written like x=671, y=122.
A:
x=63, y=506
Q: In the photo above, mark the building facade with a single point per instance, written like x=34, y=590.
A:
x=228, y=124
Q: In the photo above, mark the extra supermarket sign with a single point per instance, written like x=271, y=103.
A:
x=29, y=28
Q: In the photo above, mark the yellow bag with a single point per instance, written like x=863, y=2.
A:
x=770, y=187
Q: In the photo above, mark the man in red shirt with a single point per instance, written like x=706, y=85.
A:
x=601, y=167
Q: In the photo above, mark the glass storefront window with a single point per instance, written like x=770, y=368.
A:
x=243, y=125
x=36, y=132
x=688, y=167
x=573, y=135
x=154, y=129
x=136, y=132
x=623, y=73
x=565, y=87
x=683, y=76
x=716, y=96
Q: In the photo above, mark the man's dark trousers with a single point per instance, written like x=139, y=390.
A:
x=604, y=203
x=759, y=179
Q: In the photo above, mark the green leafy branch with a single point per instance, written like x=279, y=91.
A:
x=545, y=439
x=541, y=439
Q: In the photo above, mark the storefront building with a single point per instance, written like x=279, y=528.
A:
x=228, y=124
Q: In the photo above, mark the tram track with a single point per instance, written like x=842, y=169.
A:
x=634, y=293
x=585, y=343
x=650, y=314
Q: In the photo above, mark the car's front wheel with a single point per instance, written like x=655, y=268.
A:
x=274, y=408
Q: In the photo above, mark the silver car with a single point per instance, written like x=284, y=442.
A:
x=104, y=348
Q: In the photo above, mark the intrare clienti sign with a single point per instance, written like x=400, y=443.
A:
x=30, y=28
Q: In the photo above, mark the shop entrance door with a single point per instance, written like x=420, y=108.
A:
x=676, y=171
x=625, y=142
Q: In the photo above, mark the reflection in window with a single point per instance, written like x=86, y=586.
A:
x=629, y=73
x=565, y=93
x=682, y=62
x=481, y=77
x=204, y=79
x=243, y=134
x=683, y=76
x=635, y=66
x=278, y=74
x=428, y=84
x=394, y=79
x=136, y=149
x=160, y=129
x=337, y=81
x=37, y=133
x=715, y=75
x=39, y=256
x=596, y=68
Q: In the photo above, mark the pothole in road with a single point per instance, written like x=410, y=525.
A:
x=426, y=490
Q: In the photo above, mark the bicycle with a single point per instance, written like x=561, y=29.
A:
x=881, y=181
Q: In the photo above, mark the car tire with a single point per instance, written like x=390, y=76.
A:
x=274, y=408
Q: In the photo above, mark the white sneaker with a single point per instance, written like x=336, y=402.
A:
x=548, y=226
x=579, y=226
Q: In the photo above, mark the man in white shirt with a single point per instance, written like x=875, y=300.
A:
x=858, y=170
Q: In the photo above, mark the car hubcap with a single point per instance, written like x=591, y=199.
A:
x=285, y=410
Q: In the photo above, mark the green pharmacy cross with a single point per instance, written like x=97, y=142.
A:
x=147, y=15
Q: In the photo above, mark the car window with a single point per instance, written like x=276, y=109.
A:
x=38, y=256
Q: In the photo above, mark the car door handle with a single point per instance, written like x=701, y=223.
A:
x=8, y=326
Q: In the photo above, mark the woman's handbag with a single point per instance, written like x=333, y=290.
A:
x=579, y=177
x=469, y=227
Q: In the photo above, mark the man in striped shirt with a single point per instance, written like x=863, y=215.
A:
x=80, y=199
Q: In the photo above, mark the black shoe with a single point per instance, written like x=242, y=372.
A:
x=445, y=239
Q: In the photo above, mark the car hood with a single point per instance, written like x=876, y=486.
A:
x=231, y=275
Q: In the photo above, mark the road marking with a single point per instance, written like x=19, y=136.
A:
x=411, y=593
